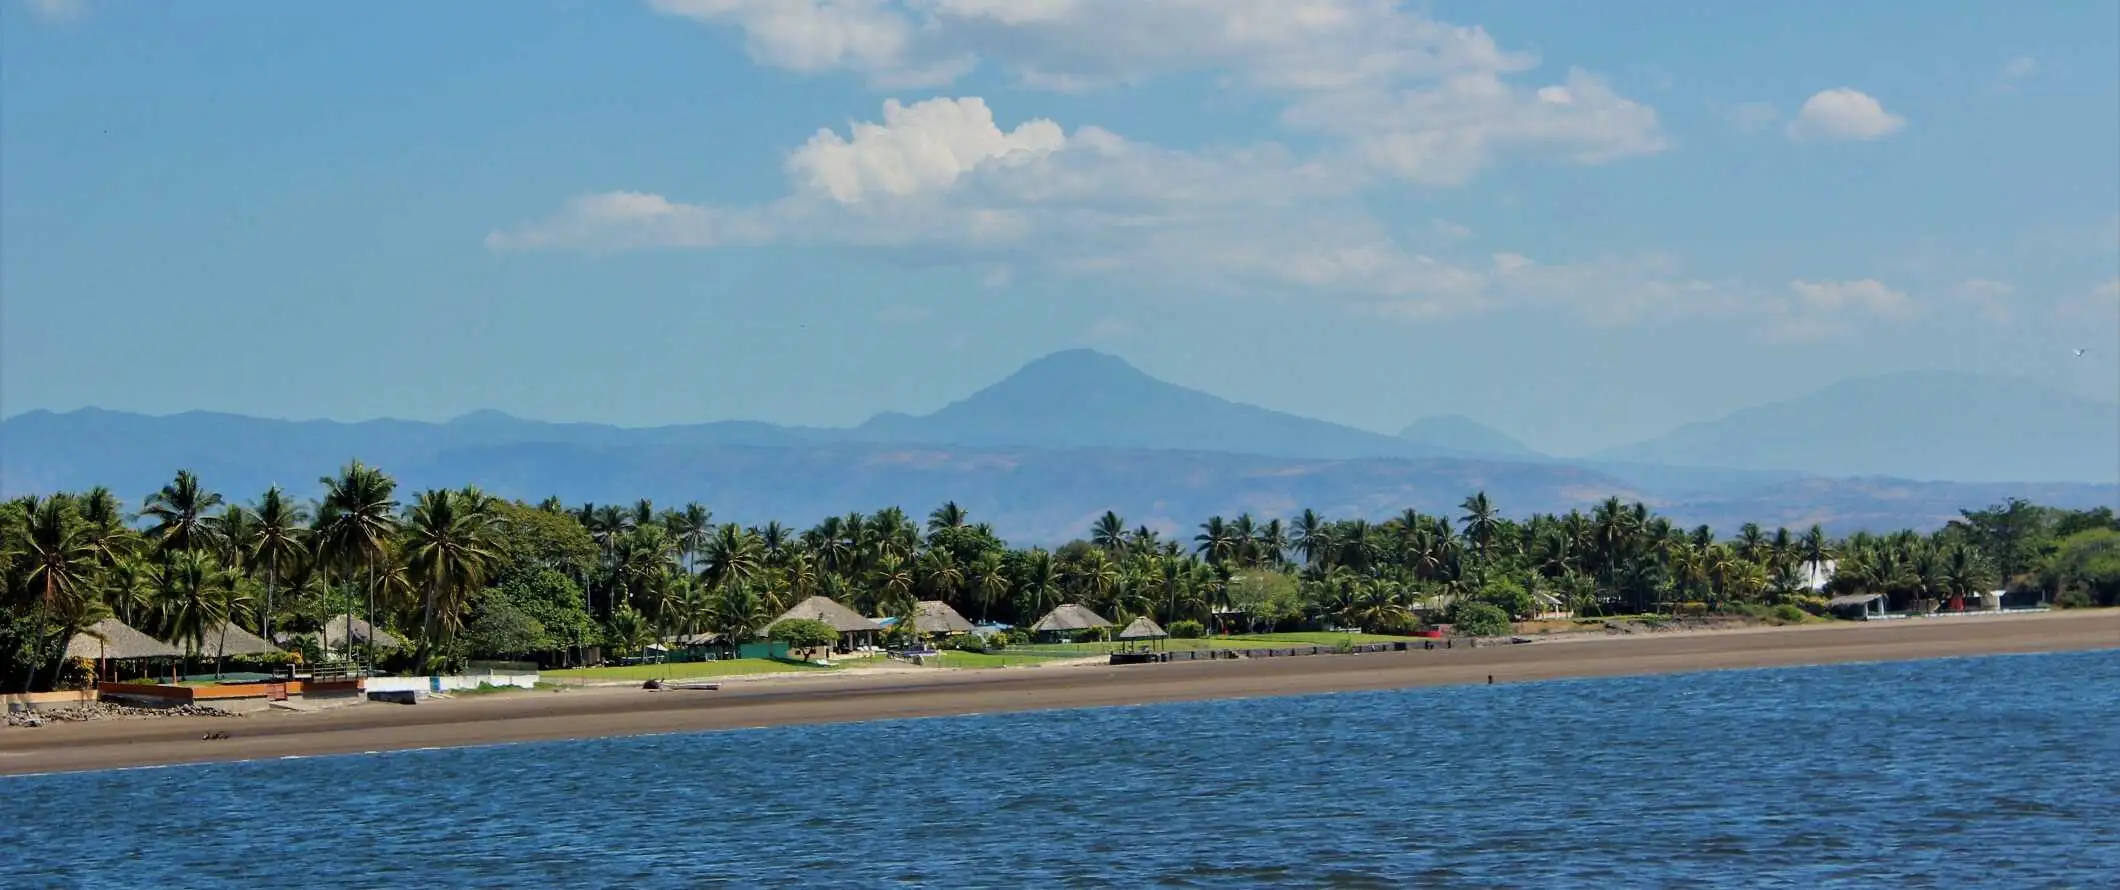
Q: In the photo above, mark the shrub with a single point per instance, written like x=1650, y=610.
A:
x=1472, y=619
x=1788, y=614
x=965, y=643
x=1815, y=605
x=2073, y=598
x=1187, y=630
x=1692, y=610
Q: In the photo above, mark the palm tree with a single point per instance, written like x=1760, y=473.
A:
x=947, y=516
x=732, y=555
x=1215, y=543
x=1481, y=522
x=103, y=522
x=192, y=601
x=1816, y=550
x=354, y=524
x=179, y=512
x=1311, y=536
x=989, y=580
x=1109, y=532
x=278, y=535
x=690, y=528
x=56, y=565
x=449, y=552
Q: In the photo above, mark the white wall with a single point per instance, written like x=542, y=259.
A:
x=448, y=684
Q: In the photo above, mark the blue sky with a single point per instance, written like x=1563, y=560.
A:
x=1581, y=223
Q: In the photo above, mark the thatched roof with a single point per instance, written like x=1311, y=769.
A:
x=936, y=617
x=111, y=638
x=334, y=633
x=238, y=642
x=1853, y=599
x=1143, y=628
x=819, y=608
x=1070, y=616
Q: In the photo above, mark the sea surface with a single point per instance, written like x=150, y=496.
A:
x=1972, y=772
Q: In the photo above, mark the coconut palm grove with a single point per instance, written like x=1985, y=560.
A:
x=460, y=574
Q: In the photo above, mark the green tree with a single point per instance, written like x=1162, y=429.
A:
x=807, y=634
x=179, y=512
x=277, y=537
x=1478, y=619
x=449, y=553
x=354, y=526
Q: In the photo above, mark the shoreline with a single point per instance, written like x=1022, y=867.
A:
x=598, y=712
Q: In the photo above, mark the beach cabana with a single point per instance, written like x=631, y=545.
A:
x=1068, y=618
x=231, y=639
x=854, y=630
x=113, y=640
x=1143, y=631
x=1864, y=606
x=936, y=618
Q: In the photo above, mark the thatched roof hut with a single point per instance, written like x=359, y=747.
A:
x=1143, y=628
x=823, y=609
x=111, y=638
x=1069, y=617
x=341, y=628
x=936, y=617
x=237, y=641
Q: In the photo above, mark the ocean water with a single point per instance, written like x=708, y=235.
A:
x=1974, y=772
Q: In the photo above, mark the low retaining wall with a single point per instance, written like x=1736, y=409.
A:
x=422, y=686
x=33, y=701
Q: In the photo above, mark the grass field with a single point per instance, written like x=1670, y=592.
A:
x=1235, y=641
x=691, y=670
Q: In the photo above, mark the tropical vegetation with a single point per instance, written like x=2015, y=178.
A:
x=463, y=574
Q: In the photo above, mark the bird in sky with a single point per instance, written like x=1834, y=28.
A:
x=2079, y=353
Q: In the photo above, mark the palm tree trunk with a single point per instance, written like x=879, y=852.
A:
x=368, y=638
x=272, y=574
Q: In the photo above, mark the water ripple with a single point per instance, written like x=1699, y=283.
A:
x=1962, y=772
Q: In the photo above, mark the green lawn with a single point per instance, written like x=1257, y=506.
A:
x=691, y=670
x=1238, y=641
x=954, y=659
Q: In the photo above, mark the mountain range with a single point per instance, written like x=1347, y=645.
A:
x=1072, y=434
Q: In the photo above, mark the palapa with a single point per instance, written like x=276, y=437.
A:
x=1143, y=628
x=111, y=638
x=818, y=608
x=1067, y=617
x=936, y=617
x=339, y=629
x=231, y=639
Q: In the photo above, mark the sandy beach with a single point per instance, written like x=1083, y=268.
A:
x=856, y=695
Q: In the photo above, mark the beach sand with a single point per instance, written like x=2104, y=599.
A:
x=852, y=696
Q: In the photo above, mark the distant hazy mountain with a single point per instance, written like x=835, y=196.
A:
x=1087, y=399
x=1032, y=496
x=1461, y=434
x=1077, y=433
x=1916, y=425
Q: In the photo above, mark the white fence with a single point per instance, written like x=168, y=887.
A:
x=430, y=685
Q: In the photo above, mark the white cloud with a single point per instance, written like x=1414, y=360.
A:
x=1446, y=134
x=1990, y=298
x=1416, y=98
x=1866, y=294
x=917, y=148
x=1843, y=114
x=1818, y=310
x=58, y=10
x=940, y=182
x=2098, y=307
